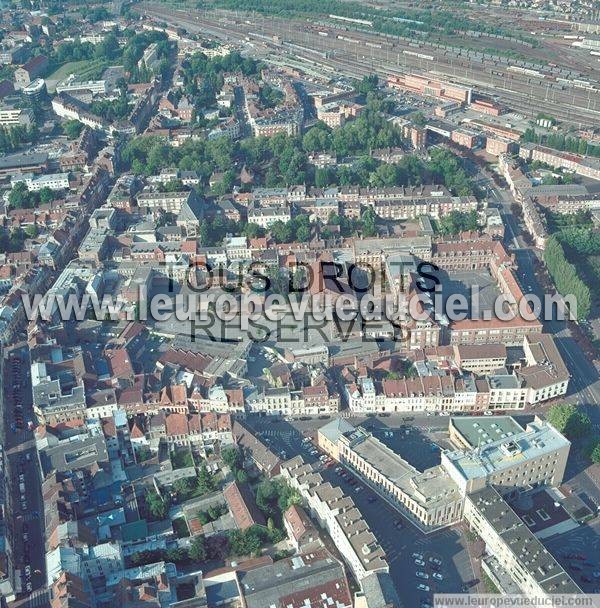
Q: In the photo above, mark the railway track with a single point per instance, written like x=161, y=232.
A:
x=357, y=54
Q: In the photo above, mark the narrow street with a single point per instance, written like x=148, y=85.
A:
x=24, y=498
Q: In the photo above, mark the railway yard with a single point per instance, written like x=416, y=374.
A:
x=567, y=90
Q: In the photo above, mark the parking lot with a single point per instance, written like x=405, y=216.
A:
x=398, y=537
x=578, y=552
x=413, y=444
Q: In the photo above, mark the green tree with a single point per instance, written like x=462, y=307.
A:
x=157, y=506
x=183, y=488
x=232, y=457
x=206, y=482
x=32, y=231
x=177, y=555
x=46, y=195
x=369, y=222
x=317, y=138
x=569, y=420
x=595, y=452
x=565, y=276
x=368, y=84
x=19, y=197
x=197, y=551
x=281, y=231
x=456, y=222
x=72, y=128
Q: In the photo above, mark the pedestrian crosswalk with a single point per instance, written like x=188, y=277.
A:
x=29, y=516
x=286, y=434
x=40, y=598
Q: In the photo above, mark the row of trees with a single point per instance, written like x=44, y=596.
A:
x=197, y=552
x=565, y=277
x=580, y=240
x=560, y=141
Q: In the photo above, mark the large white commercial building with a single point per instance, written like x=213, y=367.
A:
x=16, y=117
x=498, y=451
x=71, y=83
x=54, y=181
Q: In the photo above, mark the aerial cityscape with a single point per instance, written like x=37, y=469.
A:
x=299, y=303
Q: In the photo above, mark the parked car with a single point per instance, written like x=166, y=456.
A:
x=419, y=562
x=420, y=574
x=437, y=576
x=422, y=587
x=417, y=556
x=435, y=560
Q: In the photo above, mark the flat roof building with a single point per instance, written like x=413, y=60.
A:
x=505, y=457
x=517, y=550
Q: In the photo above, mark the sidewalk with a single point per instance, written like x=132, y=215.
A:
x=475, y=549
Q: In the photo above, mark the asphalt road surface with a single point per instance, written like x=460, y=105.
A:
x=25, y=508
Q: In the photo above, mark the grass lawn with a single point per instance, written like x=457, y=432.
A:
x=84, y=69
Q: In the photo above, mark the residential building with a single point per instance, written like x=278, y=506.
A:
x=339, y=516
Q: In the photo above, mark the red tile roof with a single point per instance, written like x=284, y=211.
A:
x=242, y=505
